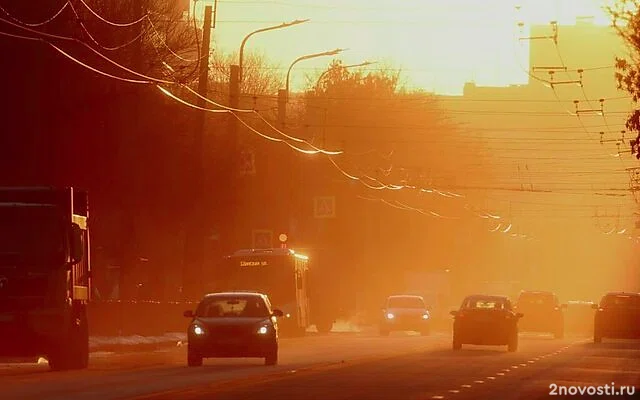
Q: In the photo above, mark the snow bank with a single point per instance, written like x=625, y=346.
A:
x=136, y=340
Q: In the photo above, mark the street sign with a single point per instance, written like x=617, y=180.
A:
x=247, y=162
x=262, y=239
x=324, y=207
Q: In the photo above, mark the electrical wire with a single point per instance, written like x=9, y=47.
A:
x=106, y=21
x=37, y=24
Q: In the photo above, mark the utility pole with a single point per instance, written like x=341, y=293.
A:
x=282, y=108
x=234, y=186
x=196, y=229
x=131, y=171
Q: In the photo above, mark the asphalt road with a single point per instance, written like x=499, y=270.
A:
x=344, y=367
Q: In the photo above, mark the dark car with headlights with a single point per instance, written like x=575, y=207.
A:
x=405, y=313
x=544, y=313
x=233, y=324
x=617, y=317
x=486, y=320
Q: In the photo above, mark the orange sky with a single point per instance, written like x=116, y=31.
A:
x=439, y=44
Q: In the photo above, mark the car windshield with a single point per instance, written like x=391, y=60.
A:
x=31, y=234
x=405, y=302
x=627, y=301
x=481, y=303
x=233, y=307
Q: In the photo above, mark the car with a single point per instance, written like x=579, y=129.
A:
x=233, y=324
x=486, y=320
x=617, y=317
x=544, y=312
x=578, y=317
x=405, y=313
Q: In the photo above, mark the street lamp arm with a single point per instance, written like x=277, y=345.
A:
x=270, y=28
x=308, y=56
x=322, y=75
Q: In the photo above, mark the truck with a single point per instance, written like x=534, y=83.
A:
x=45, y=275
x=280, y=273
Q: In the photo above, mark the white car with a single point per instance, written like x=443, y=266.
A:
x=405, y=313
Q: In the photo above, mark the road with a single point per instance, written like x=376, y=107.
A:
x=343, y=367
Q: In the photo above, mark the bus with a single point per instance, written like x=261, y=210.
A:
x=281, y=274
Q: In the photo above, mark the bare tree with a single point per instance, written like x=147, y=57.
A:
x=626, y=21
x=259, y=76
x=163, y=43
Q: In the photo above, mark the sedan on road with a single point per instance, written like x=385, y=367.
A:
x=233, y=324
x=486, y=320
x=617, y=317
x=405, y=313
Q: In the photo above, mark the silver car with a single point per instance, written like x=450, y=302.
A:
x=405, y=313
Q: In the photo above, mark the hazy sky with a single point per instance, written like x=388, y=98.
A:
x=438, y=44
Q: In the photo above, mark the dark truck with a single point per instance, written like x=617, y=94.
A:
x=44, y=275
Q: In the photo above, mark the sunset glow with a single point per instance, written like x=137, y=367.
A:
x=439, y=45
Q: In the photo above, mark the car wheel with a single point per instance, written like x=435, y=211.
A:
x=271, y=358
x=324, y=327
x=513, y=345
x=457, y=344
x=193, y=359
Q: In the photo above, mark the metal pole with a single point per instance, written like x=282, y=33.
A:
x=194, y=257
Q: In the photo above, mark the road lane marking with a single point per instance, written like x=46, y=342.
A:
x=465, y=386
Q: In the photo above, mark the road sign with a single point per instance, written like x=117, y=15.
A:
x=324, y=207
x=262, y=239
x=247, y=162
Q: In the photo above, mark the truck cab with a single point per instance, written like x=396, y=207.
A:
x=44, y=275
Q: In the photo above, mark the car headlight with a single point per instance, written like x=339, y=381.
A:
x=390, y=316
x=198, y=330
x=263, y=330
x=425, y=316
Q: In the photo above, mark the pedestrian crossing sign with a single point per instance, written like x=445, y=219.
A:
x=247, y=162
x=324, y=207
x=262, y=239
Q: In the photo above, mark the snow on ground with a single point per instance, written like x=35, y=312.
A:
x=340, y=326
x=101, y=341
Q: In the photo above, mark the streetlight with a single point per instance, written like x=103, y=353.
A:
x=271, y=28
x=322, y=75
x=235, y=78
x=307, y=57
x=283, y=94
